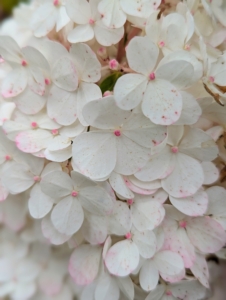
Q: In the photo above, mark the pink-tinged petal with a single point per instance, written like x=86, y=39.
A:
x=142, y=8
x=51, y=234
x=14, y=83
x=64, y=74
x=149, y=276
x=87, y=64
x=195, y=205
x=67, y=216
x=138, y=190
x=162, y=103
x=149, y=185
x=91, y=152
x=113, y=15
x=84, y=264
x=107, y=36
x=118, y=184
x=200, y=270
x=3, y=192
x=186, y=178
x=122, y=258
x=142, y=55
x=32, y=141
x=80, y=34
x=206, y=234
x=129, y=90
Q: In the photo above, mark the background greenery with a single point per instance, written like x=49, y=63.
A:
x=6, y=7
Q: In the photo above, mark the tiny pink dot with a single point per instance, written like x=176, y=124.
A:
x=128, y=236
x=117, y=132
x=182, y=224
x=56, y=2
x=34, y=124
x=152, y=76
x=161, y=44
x=91, y=21
x=130, y=201
x=23, y=63
x=8, y=157
x=211, y=79
x=169, y=293
x=47, y=81
x=174, y=149
x=54, y=131
x=74, y=194
x=37, y=178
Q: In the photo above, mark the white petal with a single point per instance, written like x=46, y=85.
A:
x=94, y=229
x=162, y=103
x=206, y=234
x=122, y=258
x=24, y=291
x=149, y=276
x=64, y=74
x=211, y=173
x=59, y=143
x=118, y=184
x=91, y=152
x=51, y=234
x=67, y=216
x=145, y=241
x=130, y=156
x=126, y=286
x=81, y=33
x=157, y=294
x=62, y=18
x=120, y=220
x=3, y=192
x=107, y=288
x=195, y=205
x=78, y=11
x=17, y=178
x=107, y=36
x=142, y=55
x=113, y=16
x=43, y=20
x=200, y=270
x=14, y=83
x=177, y=72
x=84, y=264
x=32, y=141
x=58, y=156
x=129, y=90
x=147, y=215
x=188, y=287
x=87, y=64
x=9, y=49
x=141, y=8
x=104, y=113
x=186, y=178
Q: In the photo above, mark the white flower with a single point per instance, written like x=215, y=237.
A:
x=125, y=137
x=29, y=68
x=158, y=90
x=49, y=14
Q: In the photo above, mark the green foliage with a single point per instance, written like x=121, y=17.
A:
x=6, y=6
x=109, y=82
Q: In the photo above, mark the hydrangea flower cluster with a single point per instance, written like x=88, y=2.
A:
x=112, y=149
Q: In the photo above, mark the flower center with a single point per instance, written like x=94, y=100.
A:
x=152, y=76
x=91, y=21
x=211, y=79
x=47, y=81
x=183, y=224
x=74, y=194
x=128, y=236
x=54, y=132
x=24, y=63
x=117, y=132
x=37, y=178
x=130, y=201
x=8, y=157
x=34, y=125
x=169, y=293
x=56, y=2
x=161, y=44
x=174, y=149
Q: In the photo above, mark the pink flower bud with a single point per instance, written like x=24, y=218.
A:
x=113, y=64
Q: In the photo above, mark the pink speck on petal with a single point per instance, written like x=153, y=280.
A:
x=23, y=63
x=169, y=293
x=74, y=194
x=8, y=157
x=117, y=132
x=34, y=124
x=152, y=76
x=37, y=178
x=183, y=224
x=47, y=81
x=91, y=21
x=174, y=149
x=130, y=201
x=211, y=79
x=161, y=44
x=128, y=236
x=54, y=131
